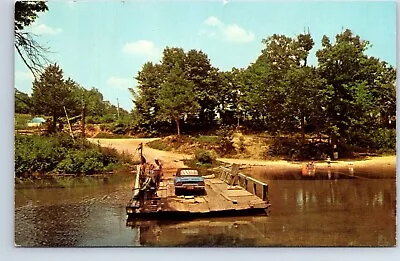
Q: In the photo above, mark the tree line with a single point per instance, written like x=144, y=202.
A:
x=52, y=95
x=349, y=96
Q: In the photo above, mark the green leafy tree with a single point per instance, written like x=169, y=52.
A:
x=23, y=103
x=149, y=80
x=231, y=86
x=50, y=94
x=176, y=99
x=303, y=96
x=198, y=69
x=342, y=64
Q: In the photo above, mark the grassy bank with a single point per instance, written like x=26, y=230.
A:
x=60, y=154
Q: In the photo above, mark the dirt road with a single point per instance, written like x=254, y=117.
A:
x=171, y=161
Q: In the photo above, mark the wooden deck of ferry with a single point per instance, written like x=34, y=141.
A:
x=221, y=199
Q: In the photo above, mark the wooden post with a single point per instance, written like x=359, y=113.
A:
x=137, y=182
x=69, y=124
x=255, y=188
x=83, y=116
x=264, y=192
x=245, y=183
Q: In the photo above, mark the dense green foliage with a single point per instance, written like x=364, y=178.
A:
x=204, y=157
x=62, y=154
x=26, y=12
x=21, y=121
x=349, y=96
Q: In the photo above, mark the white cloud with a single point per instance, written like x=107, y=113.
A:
x=71, y=3
x=227, y=32
x=40, y=29
x=213, y=21
x=120, y=82
x=21, y=76
x=142, y=48
x=235, y=33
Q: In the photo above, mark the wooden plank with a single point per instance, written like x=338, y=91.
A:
x=170, y=189
x=237, y=193
x=216, y=202
x=200, y=206
x=215, y=181
x=177, y=204
x=162, y=192
x=246, y=199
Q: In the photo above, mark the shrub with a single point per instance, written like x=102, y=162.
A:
x=21, y=121
x=107, y=118
x=36, y=154
x=241, y=144
x=209, y=139
x=159, y=145
x=81, y=162
x=380, y=139
x=225, y=144
x=384, y=139
x=204, y=157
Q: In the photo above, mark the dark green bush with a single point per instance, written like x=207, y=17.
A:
x=159, y=145
x=225, y=144
x=107, y=118
x=204, y=157
x=37, y=154
x=384, y=139
x=241, y=144
x=208, y=139
x=81, y=162
x=377, y=139
x=283, y=146
x=60, y=153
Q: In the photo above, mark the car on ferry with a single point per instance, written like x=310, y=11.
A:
x=188, y=180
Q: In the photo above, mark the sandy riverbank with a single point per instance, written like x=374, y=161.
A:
x=382, y=166
x=373, y=167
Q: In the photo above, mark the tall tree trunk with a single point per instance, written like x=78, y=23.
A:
x=54, y=123
x=177, y=127
x=303, y=132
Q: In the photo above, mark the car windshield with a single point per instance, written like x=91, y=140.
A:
x=188, y=172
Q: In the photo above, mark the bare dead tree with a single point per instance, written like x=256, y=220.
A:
x=31, y=52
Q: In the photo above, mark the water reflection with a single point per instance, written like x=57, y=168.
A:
x=339, y=211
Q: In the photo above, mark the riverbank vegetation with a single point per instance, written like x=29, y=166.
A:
x=60, y=154
x=346, y=103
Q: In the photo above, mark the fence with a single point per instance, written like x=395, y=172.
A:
x=233, y=176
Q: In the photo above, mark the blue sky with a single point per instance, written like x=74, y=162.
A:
x=105, y=44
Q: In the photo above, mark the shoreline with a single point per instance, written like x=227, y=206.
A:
x=374, y=167
x=384, y=166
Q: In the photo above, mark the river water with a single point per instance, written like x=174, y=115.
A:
x=326, y=209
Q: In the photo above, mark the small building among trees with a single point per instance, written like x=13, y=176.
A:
x=37, y=122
